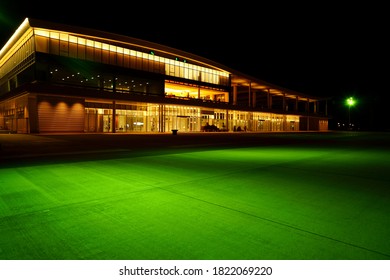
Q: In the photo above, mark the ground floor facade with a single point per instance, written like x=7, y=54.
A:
x=46, y=113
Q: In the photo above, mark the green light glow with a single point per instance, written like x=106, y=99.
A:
x=241, y=203
x=351, y=101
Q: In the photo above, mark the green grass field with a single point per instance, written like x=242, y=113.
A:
x=241, y=203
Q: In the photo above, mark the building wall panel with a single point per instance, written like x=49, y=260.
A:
x=60, y=114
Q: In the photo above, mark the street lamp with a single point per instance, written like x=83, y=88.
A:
x=350, y=103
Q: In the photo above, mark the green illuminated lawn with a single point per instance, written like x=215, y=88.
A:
x=240, y=203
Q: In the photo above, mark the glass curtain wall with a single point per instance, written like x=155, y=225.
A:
x=149, y=117
x=183, y=118
x=141, y=118
x=104, y=51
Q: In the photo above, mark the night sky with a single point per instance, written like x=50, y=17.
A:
x=321, y=50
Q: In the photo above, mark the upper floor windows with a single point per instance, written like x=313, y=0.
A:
x=65, y=44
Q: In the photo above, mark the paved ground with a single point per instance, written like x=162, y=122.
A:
x=195, y=196
x=27, y=146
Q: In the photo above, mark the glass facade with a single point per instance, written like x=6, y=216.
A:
x=14, y=63
x=106, y=77
x=81, y=48
x=149, y=117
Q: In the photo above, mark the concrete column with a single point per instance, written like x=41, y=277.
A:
x=161, y=118
x=113, y=116
x=269, y=99
x=235, y=95
x=308, y=113
x=249, y=94
x=199, y=79
x=227, y=119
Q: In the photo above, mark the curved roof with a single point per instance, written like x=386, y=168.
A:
x=237, y=77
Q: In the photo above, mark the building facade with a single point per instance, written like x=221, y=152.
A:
x=60, y=78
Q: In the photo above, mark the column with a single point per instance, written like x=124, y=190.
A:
x=308, y=113
x=113, y=116
x=249, y=94
x=269, y=99
x=235, y=95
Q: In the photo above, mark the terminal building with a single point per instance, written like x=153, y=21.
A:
x=61, y=78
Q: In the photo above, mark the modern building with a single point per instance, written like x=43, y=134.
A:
x=61, y=78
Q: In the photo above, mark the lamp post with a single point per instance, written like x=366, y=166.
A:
x=350, y=103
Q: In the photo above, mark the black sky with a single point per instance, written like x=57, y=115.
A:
x=318, y=49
